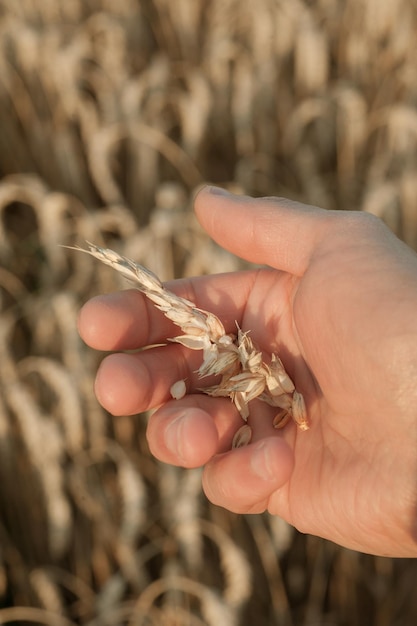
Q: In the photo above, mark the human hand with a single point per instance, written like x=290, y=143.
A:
x=339, y=309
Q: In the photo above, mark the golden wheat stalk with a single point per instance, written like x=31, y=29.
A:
x=244, y=374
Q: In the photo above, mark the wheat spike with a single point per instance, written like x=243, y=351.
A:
x=244, y=374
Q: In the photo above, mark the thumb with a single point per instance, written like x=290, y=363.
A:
x=272, y=231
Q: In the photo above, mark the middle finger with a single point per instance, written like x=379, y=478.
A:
x=132, y=383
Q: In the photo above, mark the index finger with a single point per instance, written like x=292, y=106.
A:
x=127, y=320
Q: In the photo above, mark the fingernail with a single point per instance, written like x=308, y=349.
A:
x=261, y=461
x=218, y=191
x=174, y=436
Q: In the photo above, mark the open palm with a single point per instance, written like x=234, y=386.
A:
x=339, y=310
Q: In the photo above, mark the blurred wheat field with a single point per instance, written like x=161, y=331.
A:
x=112, y=113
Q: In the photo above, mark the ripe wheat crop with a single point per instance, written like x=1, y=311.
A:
x=112, y=113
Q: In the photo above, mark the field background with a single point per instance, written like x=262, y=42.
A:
x=111, y=114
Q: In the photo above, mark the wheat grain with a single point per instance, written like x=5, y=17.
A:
x=178, y=389
x=244, y=374
x=242, y=436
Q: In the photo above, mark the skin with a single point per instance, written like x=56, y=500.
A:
x=337, y=301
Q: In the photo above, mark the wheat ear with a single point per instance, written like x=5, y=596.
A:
x=244, y=375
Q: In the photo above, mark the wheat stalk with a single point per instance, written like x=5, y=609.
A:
x=244, y=374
